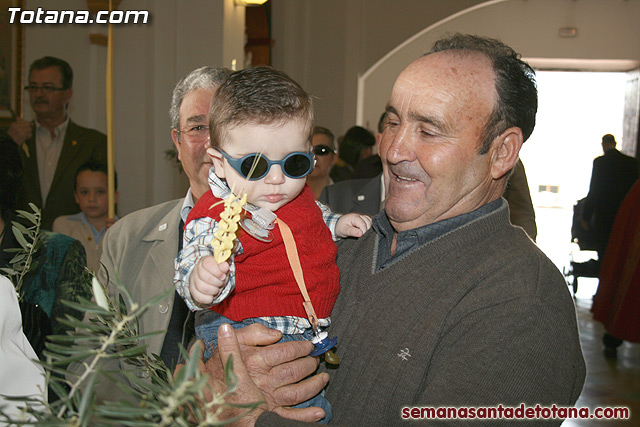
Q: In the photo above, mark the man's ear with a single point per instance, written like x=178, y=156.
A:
x=218, y=162
x=505, y=151
x=116, y=195
x=176, y=142
x=75, y=196
x=334, y=158
x=68, y=95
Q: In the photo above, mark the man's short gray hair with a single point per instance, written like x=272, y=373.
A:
x=207, y=78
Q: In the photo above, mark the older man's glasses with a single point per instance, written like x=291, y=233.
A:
x=43, y=88
x=322, y=150
x=256, y=166
x=195, y=133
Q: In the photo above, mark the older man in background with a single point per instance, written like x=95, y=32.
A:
x=53, y=146
x=139, y=250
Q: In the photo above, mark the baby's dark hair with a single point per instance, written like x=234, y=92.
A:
x=259, y=95
x=93, y=165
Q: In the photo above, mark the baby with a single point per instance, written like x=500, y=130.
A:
x=260, y=124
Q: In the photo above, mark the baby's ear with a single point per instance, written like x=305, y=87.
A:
x=218, y=162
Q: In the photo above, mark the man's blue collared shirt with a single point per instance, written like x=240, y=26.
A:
x=410, y=240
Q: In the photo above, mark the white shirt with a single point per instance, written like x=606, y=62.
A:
x=48, y=151
x=20, y=375
x=187, y=205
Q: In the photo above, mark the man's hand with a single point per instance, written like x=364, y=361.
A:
x=245, y=389
x=20, y=131
x=207, y=280
x=274, y=373
x=353, y=225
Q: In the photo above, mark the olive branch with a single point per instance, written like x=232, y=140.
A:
x=76, y=363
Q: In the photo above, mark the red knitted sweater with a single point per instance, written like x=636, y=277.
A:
x=265, y=285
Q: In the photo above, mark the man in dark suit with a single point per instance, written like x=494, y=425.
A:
x=518, y=196
x=364, y=196
x=612, y=177
x=53, y=146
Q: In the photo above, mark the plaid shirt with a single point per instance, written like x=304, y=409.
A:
x=197, y=238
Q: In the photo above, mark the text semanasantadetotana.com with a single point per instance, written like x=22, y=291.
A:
x=42, y=16
x=521, y=412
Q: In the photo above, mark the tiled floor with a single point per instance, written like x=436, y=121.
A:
x=610, y=382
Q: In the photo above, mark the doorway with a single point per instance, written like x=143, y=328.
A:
x=575, y=109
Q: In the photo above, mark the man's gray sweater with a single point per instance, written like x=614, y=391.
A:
x=477, y=317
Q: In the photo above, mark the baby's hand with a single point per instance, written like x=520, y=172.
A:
x=353, y=225
x=207, y=280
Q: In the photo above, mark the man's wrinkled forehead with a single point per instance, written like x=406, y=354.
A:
x=197, y=119
x=403, y=91
x=53, y=74
x=410, y=89
x=444, y=76
x=196, y=108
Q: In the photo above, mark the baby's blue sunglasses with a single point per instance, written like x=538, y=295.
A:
x=255, y=166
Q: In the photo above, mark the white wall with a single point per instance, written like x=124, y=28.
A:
x=148, y=61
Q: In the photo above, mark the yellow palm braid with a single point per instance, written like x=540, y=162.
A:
x=227, y=227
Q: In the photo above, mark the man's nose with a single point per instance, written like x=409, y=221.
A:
x=398, y=146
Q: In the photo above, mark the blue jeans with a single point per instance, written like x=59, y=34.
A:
x=207, y=323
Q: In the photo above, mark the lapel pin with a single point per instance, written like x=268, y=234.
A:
x=162, y=227
x=74, y=142
x=360, y=197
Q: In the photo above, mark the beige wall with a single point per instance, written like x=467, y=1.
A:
x=326, y=44
x=348, y=42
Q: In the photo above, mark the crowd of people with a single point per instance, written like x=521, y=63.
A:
x=414, y=246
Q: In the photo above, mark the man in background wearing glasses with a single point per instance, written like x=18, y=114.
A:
x=139, y=250
x=53, y=146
